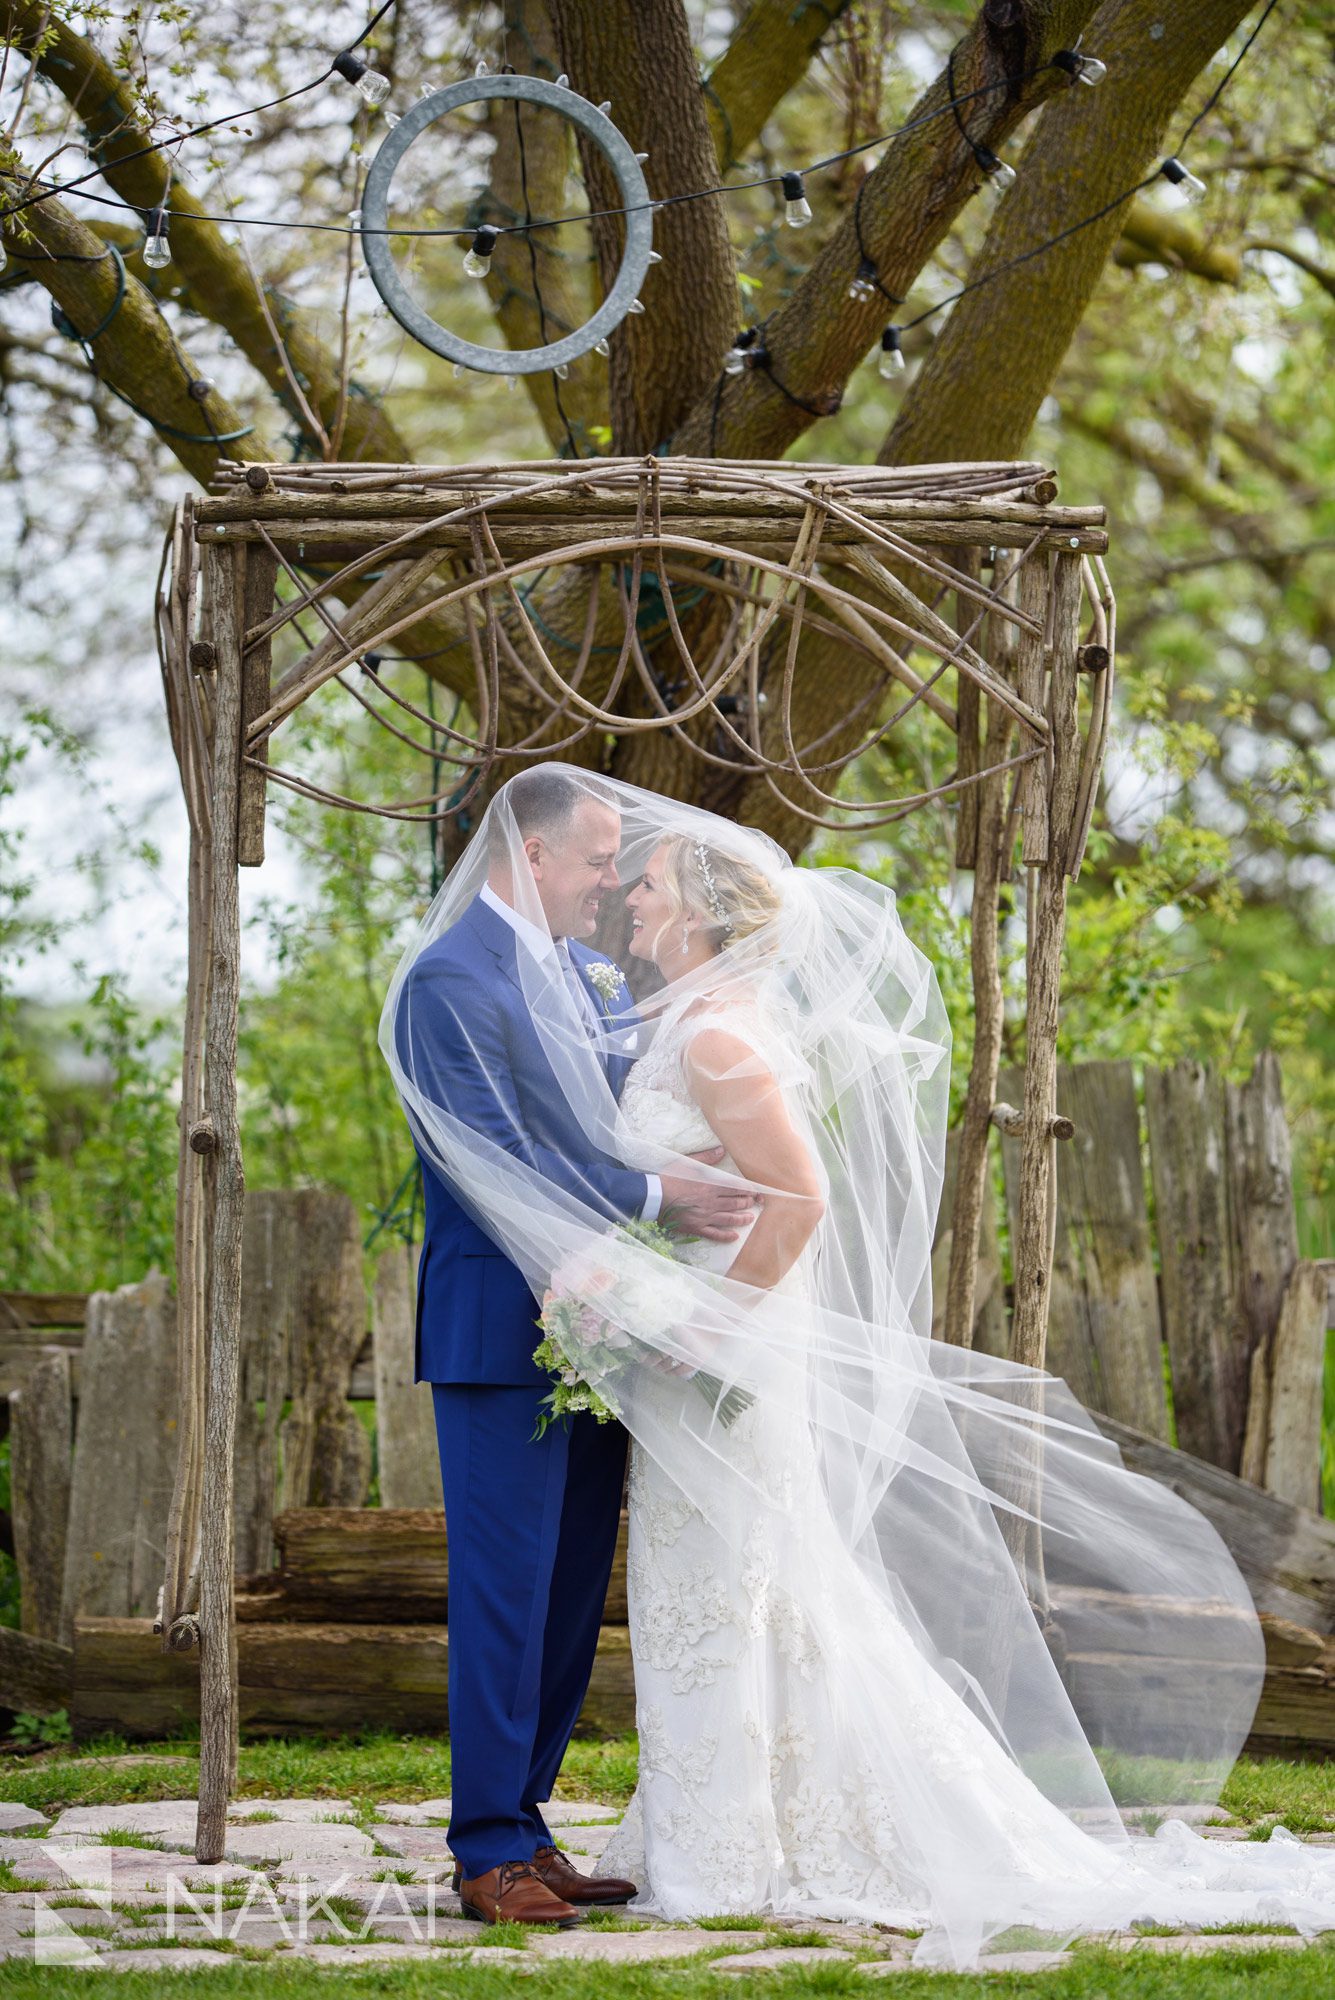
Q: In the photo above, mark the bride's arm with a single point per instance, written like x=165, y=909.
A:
x=744, y=1105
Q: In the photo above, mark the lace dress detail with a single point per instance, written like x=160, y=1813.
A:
x=776, y=1771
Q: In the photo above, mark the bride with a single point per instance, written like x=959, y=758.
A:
x=851, y=1545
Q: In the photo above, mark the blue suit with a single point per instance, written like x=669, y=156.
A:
x=532, y=1524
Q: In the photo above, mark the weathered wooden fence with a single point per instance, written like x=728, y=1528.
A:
x=1180, y=1309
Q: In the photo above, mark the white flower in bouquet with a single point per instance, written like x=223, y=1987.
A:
x=605, y=1309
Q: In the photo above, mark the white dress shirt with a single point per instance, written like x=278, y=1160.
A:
x=542, y=945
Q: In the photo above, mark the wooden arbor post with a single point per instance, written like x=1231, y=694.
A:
x=1049, y=807
x=215, y=684
x=218, y=1712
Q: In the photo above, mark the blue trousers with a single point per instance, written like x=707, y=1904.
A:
x=532, y=1529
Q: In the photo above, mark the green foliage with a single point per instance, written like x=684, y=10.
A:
x=40, y=1732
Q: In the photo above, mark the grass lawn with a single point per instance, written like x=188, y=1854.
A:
x=374, y=1769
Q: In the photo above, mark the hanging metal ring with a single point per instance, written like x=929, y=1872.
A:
x=635, y=198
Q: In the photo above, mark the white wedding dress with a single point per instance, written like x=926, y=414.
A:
x=808, y=1759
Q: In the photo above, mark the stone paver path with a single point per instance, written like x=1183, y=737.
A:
x=308, y=1878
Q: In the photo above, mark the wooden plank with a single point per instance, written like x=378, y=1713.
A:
x=354, y=1565
x=1296, y=1379
x=326, y=1452
x=405, y=1416
x=28, y=1309
x=1265, y=1223
x=269, y=1266
x=1104, y=1333
x=1184, y=1109
x=1286, y=1554
x=41, y=1430
x=124, y=1454
x=261, y=574
x=988, y=1332
x=36, y=1675
x=303, y=1679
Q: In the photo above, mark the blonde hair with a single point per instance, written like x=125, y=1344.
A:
x=733, y=896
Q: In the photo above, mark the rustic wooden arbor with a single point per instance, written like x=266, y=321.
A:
x=977, y=602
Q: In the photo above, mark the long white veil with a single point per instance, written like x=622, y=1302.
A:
x=969, y=1499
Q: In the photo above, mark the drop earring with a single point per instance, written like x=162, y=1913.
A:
x=685, y=939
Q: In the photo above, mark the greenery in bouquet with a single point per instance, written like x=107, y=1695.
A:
x=596, y=1296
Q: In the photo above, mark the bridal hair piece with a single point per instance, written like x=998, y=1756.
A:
x=964, y=1499
x=736, y=893
x=720, y=915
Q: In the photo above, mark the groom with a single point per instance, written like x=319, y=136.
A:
x=532, y=1523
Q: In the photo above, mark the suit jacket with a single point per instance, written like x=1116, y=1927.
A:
x=475, y=1051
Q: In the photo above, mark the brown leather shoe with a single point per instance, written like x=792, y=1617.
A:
x=514, y=1893
x=566, y=1881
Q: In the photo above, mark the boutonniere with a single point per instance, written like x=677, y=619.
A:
x=607, y=981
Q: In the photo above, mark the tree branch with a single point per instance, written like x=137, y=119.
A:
x=1155, y=236
x=999, y=350
x=221, y=286
x=769, y=54
x=135, y=350
x=1324, y=278
x=908, y=202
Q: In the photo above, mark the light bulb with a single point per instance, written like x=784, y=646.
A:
x=601, y=347
x=734, y=361
x=157, y=250
x=1080, y=69
x=561, y=370
x=641, y=157
x=636, y=306
x=481, y=69
x=457, y=370
x=563, y=81
x=370, y=84
x=477, y=261
x=796, y=207
x=392, y=119
x=998, y=173
x=892, y=355
x=654, y=257
x=864, y=286
x=355, y=217
x=606, y=107
x=1188, y=186
x=512, y=383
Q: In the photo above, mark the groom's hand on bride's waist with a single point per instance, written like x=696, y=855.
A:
x=705, y=1208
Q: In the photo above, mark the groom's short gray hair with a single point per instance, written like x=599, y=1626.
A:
x=545, y=801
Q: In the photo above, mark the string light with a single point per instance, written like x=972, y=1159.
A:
x=157, y=251
x=369, y=83
x=738, y=355
x=866, y=284
x=796, y=207
x=998, y=172
x=1080, y=69
x=892, y=355
x=1188, y=186
x=477, y=263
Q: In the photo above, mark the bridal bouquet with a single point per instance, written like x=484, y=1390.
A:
x=595, y=1294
